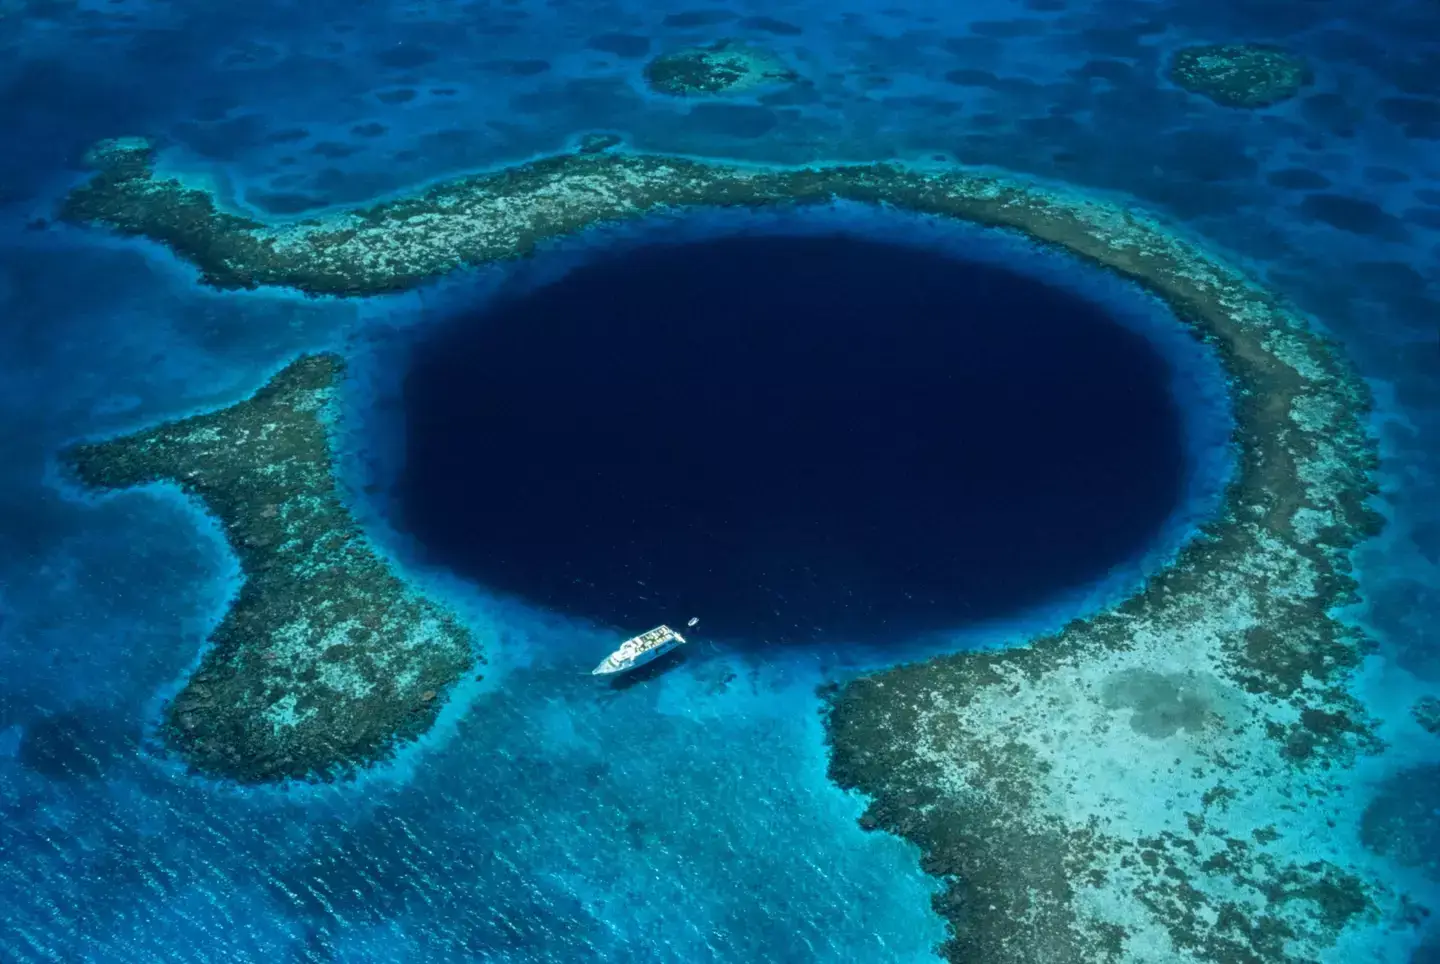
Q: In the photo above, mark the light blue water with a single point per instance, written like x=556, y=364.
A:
x=688, y=819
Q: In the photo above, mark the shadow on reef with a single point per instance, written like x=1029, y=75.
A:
x=797, y=438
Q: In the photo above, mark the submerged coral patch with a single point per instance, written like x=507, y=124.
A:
x=76, y=744
x=1403, y=821
x=597, y=142
x=1107, y=792
x=1427, y=713
x=1240, y=75
x=325, y=661
x=723, y=67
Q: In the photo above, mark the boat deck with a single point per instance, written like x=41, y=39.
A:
x=639, y=649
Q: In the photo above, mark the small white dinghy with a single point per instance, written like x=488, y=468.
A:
x=639, y=650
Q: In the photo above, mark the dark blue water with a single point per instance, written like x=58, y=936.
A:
x=531, y=825
x=798, y=437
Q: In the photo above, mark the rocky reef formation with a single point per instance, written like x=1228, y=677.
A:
x=724, y=67
x=1239, y=75
x=1159, y=782
x=325, y=661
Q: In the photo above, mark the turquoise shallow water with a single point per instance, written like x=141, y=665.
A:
x=532, y=825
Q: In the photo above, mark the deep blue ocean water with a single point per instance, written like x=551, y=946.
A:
x=686, y=817
x=995, y=443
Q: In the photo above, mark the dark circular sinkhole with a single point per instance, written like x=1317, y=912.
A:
x=795, y=438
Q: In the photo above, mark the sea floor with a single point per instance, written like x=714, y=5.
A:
x=687, y=817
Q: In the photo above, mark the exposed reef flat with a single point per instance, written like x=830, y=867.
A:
x=1162, y=782
x=1240, y=75
x=325, y=661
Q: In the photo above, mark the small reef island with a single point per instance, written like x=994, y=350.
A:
x=1153, y=783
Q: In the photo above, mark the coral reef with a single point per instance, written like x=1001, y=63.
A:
x=1239, y=75
x=1158, y=782
x=1427, y=713
x=724, y=67
x=325, y=661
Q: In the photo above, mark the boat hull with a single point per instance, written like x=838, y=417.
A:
x=648, y=656
x=639, y=650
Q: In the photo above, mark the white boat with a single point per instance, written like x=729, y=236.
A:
x=639, y=650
